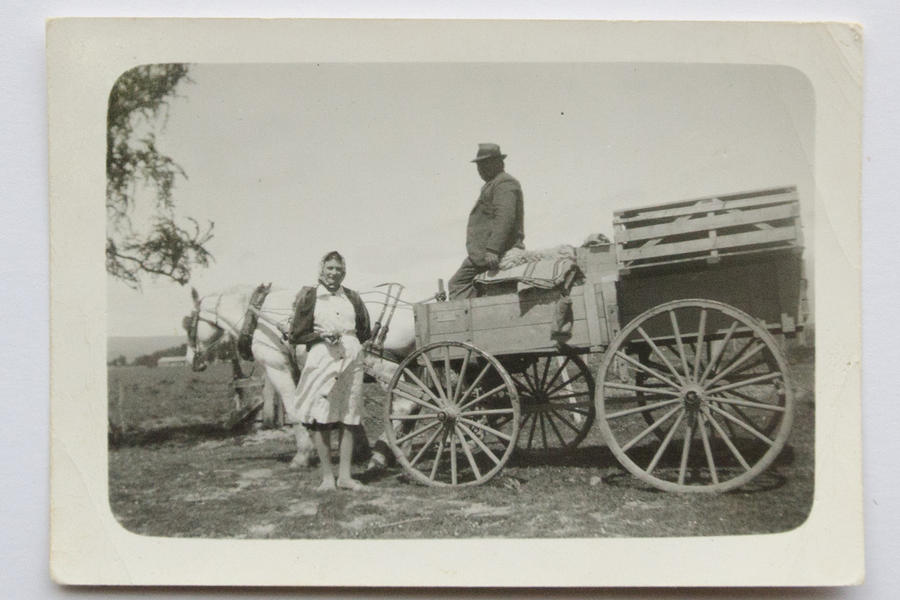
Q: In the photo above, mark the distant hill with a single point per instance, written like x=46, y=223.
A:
x=132, y=347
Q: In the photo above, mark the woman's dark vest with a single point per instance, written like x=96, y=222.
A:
x=304, y=315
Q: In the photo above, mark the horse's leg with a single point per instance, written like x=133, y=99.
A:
x=283, y=384
x=383, y=370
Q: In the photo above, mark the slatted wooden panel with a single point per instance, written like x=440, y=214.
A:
x=707, y=229
x=508, y=324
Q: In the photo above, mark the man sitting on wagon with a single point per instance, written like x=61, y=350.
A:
x=495, y=223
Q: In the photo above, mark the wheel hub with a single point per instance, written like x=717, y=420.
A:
x=692, y=400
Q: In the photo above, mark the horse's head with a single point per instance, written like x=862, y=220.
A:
x=203, y=332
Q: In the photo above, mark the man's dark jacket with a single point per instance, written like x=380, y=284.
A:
x=304, y=314
x=496, y=221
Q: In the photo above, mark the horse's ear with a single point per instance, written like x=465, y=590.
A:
x=195, y=296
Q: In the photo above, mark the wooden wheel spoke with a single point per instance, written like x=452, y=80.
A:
x=656, y=424
x=562, y=418
x=775, y=392
x=468, y=391
x=701, y=332
x=480, y=444
x=725, y=438
x=750, y=429
x=748, y=404
x=490, y=430
x=742, y=357
x=678, y=341
x=487, y=394
x=425, y=447
x=745, y=382
x=438, y=455
x=418, y=431
x=415, y=399
x=717, y=355
x=642, y=409
x=565, y=383
x=524, y=384
x=421, y=385
x=543, y=380
x=559, y=371
x=664, y=444
x=533, y=417
x=487, y=411
x=437, y=382
x=740, y=413
x=453, y=471
x=447, y=373
x=685, y=452
x=555, y=428
x=647, y=369
x=660, y=354
x=707, y=450
x=465, y=446
x=638, y=388
x=543, y=429
x=418, y=417
x=462, y=376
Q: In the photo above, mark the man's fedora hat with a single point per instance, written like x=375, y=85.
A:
x=486, y=151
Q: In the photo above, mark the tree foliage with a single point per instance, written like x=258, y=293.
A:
x=163, y=246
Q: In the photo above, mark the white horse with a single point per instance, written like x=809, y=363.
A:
x=219, y=318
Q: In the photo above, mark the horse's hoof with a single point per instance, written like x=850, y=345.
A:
x=301, y=462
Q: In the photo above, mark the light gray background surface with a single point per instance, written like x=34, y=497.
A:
x=24, y=288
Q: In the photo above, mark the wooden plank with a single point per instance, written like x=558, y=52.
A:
x=512, y=315
x=516, y=340
x=525, y=339
x=779, y=234
x=662, y=211
x=593, y=313
x=710, y=222
x=625, y=269
x=730, y=198
x=420, y=314
x=609, y=294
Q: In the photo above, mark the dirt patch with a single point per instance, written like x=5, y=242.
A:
x=223, y=485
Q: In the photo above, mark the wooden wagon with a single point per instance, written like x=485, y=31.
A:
x=677, y=318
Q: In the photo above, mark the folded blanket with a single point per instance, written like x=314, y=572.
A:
x=545, y=269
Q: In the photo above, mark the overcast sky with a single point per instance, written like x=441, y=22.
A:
x=291, y=161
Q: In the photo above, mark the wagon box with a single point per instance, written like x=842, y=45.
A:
x=742, y=249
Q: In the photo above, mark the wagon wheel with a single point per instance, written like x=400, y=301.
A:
x=466, y=419
x=557, y=397
x=715, y=384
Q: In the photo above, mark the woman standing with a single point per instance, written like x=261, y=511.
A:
x=332, y=322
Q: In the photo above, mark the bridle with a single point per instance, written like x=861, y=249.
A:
x=202, y=356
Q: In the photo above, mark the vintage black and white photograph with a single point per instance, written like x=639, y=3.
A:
x=480, y=299
x=562, y=300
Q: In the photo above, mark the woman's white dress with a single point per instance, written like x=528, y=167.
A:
x=330, y=387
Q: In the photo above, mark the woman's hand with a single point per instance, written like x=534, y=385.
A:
x=329, y=337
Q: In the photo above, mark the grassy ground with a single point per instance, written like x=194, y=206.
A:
x=175, y=472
